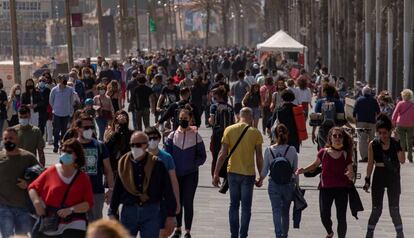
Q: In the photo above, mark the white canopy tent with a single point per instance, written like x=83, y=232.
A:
x=282, y=42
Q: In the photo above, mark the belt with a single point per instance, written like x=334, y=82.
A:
x=382, y=165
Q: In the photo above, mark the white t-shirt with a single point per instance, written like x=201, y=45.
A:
x=304, y=95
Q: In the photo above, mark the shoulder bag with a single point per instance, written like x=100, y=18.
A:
x=50, y=223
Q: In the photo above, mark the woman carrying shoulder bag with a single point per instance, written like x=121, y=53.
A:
x=386, y=154
x=336, y=178
x=62, y=195
x=281, y=160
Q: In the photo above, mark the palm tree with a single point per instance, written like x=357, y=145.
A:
x=207, y=7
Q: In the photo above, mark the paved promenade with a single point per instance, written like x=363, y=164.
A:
x=211, y=207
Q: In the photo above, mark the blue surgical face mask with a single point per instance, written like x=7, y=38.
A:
x=66, y=158
x=42, y=85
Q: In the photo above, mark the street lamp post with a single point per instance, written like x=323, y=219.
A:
x=149, y=31
x=137, y=24
x=15, y=42
x=69, y=35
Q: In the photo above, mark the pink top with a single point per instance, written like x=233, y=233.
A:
x=266, y=92
x=404, y=114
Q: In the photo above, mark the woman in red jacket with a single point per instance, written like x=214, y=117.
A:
x=47, y=193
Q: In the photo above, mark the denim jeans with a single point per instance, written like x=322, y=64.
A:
x=144, y=219
x=14, y=221
x=241, y=190
x=60, y=125
x=281, y=196
x=102, y=124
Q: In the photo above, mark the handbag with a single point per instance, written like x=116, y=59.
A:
x=50, y=223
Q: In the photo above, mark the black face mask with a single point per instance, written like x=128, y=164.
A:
x=29, y=87
x=9, y=146
x=183, y=123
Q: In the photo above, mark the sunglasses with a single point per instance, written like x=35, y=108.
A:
x=337, y=136
x=87, y=127
x=137, y=145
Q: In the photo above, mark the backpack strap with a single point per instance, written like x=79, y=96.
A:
x=286, y=151
x=238, y=141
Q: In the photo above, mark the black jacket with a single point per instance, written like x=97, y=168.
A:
x=37, y=99
x=159, y=188
x=355, y=203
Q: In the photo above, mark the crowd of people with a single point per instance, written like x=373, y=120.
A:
x=153, y=170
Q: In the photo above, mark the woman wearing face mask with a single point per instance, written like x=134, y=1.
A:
x=47, y=193
x=14, y=105
x=117, y=138
x=33, y=99
x=187, y=149
x=336, y=177
x=114, y=93
x=277, y=100
x=89, y=81
x=154, y=139
x=386, y=154
x=252, y=99
x=103, y=104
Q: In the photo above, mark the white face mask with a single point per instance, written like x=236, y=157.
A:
x=153, y=144
x=102, y=92
x=17, y=92
x=87, y=134
x=137, y=152
x=24, y=121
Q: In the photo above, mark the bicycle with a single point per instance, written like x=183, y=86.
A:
x=354, y=135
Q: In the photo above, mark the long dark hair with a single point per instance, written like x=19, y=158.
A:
x=346, y=139
x=281, y=134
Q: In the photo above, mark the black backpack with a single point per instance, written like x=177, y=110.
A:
x=281, y=170
x=224, y=117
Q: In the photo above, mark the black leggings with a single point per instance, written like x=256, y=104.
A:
x=326, y=198
x=188, y=186
x=380, y=181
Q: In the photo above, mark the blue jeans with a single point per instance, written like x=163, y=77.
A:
x=144, y=219
x=102, y=124
x=14, y=220
x=241, y=189
x=281, y=196
x=60, y=125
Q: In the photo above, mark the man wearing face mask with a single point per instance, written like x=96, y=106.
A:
x=174, y=109
x=97, y=164
x=30, y=137
x=106, y=72
x=142, y=182
x=42, y=107
x=141, y=103
x=154, y=139
x=131, y=69
x=13, y=193
x=61, y=100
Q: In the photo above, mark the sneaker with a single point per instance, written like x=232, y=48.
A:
x=187, y=235
x=330, y=235
x=177, y=234
x=410, y=160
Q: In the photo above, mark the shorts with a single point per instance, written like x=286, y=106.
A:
x=237, y=108
x=257, y=113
